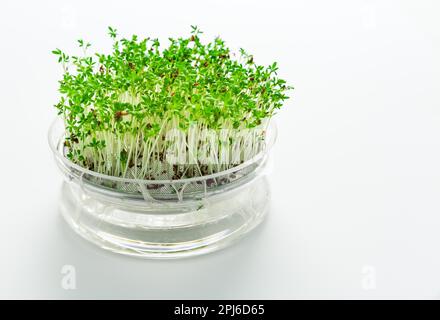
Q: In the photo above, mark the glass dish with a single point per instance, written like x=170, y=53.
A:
x=163, y=218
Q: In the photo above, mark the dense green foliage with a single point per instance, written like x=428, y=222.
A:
x=118, y=107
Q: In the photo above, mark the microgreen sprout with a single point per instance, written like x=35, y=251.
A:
x=129, y=111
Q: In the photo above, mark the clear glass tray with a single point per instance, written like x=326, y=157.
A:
x=163, y=218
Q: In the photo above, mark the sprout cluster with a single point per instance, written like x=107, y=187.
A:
x=120, y=108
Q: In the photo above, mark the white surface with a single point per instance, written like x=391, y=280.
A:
x=356, y=209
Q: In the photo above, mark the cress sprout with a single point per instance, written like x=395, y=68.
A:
x=120, y=108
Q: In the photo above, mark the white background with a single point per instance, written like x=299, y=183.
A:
x=355, y=210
